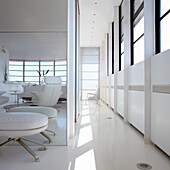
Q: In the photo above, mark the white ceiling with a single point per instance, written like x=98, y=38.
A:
x=35, y=46
x=34, y=29
x=35, y=15
x=93, y=27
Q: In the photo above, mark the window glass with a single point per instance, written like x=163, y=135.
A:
x=12, y=67
x=165, y=33
x=16, y=73
x=32, y=63
x=165, y=6
x=60, y=67
x=45, y=68
x=35, y=79
x=121, y=27
x=60, y=73
x=15, y=78
x=137, y=4
x=139, y=50
x=33, y=67
x=47, y=63
x=138, y=29
x=90, y=84
x=90, y=67
x=31, y=70
x=61, y=62
x=137, y=25
x=16, y=63
x=122, y=61
x=31, y=73
x=93, y=75
x=122, y=47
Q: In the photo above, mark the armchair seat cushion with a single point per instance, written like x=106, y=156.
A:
x=19, y=121
x=48, y=111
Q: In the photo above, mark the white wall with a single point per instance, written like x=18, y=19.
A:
x=160, y=115
x=34, y=29
x=4, y=62
x=142, y=91
x=103, y=58
x=136, y=96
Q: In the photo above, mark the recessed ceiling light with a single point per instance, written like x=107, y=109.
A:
x=94, y=14
x=95, y=3
x=93, y=21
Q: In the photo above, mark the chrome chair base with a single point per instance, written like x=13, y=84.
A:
x=47, y=136
x=21, y=142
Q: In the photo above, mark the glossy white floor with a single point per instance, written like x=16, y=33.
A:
x=100, y=144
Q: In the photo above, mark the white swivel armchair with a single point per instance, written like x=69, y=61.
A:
x=15, y=125
x=48, y=97
x=50, y=94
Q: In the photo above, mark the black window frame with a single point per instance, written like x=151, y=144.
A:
x=133, y=16
x=158, y=19
x=108, y=54
x=121, y=36
x=112, y=47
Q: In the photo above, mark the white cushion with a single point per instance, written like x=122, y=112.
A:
x=48, y=111
x=52, y=80
x=18, y=121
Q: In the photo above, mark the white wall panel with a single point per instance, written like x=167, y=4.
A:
x=160, y=68
x=120, y=78
x=120, y=102
x=107, y=90
x=136, y=109
x=112, y=98
x=160, y=122
x=136, y=74
x=160, y=117
x=112, y=80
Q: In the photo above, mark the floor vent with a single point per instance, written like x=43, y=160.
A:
x=144, y=166
x=109, y=117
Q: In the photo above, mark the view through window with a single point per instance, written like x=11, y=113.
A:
x=27, y=71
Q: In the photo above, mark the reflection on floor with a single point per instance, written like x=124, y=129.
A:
x=99, y=144
x=57, y=125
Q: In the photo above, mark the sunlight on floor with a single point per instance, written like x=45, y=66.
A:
x=85, y=120
x=86, y=161
x=85, y=136
x=85, y=112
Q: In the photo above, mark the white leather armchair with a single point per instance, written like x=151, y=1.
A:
x=50, y=93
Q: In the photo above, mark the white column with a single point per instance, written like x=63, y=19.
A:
x=71, y=70
x=116, y=54
x=126, y=55
x=149, y=51
x=110, y=47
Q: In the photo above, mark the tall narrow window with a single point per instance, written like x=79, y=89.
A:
x=137, y=31
x=121, y=37
x=112, y=47
x=108, y=67
x=162, y=25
